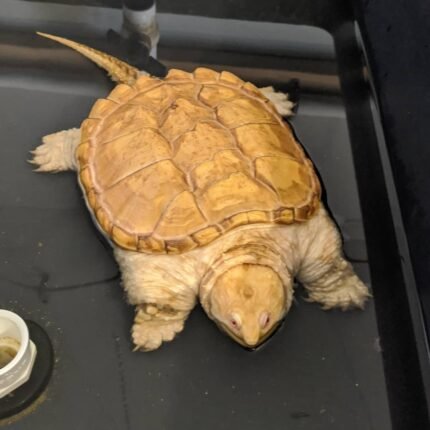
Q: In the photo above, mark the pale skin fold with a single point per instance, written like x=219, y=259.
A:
x=246, y=290
x=243, y=279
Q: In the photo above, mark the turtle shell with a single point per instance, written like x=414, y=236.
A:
x=168, y=165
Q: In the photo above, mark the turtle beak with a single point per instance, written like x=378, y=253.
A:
x=251, y=335
x=250, y=343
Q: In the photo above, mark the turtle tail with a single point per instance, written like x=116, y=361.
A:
x=117, y=69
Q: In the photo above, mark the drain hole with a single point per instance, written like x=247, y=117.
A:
x=9, y=347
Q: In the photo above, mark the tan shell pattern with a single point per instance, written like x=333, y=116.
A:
x=170, y=165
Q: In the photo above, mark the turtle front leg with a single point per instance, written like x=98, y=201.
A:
x=280, y=100
x=329, y=279
x=57, y=153
x=164, y=290
x=154, y=324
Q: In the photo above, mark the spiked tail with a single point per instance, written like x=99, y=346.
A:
x=117, y=69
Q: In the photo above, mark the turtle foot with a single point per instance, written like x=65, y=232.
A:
x=283, y=105
x=150, y=330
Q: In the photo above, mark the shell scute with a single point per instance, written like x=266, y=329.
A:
x=241, y=111
x=203, y=74
x=177, y=75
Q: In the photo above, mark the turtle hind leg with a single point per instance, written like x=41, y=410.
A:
x=338, y=288
x=328, y=278
x=283, y=105
x=57, y=152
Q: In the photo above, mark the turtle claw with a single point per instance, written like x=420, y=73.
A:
x=149, y=335
x=56, y=154
x=154, y=325
x=47, y=157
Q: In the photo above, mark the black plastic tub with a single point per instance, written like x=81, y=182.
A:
x=322, y=370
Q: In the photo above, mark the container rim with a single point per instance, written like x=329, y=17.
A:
x=24, y=341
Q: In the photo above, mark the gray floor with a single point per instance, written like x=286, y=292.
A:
x=322, y=370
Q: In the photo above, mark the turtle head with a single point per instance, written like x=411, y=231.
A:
x=248, y=303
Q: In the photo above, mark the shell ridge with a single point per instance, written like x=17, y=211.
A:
x=163, y=115
x=232, y=136
x=156, y=130
x=227, y=177
x=263, y=180
x=266, y=185
x=197, y=102
x=167, y=207
x=253, y=123
x=198, y=96
x=217, y=153
x=145, y=106
x=236, y=145
x=136, y=171
x=175, y=147
x=284, y=155
x=178, y=147
x=180, y=169
x=138, y=91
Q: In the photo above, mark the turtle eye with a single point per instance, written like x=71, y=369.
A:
x=234, y=322
x=264, y=319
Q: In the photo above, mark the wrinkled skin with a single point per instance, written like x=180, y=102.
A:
x=248, y=302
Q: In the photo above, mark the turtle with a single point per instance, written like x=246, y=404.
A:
x=198, y=182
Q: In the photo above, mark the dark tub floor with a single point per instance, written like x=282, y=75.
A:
x=322, y=370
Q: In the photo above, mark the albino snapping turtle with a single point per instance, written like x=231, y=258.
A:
x=204, y=192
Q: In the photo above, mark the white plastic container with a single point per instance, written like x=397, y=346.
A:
x=17, y=352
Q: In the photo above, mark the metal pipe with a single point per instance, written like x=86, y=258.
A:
x=140, y=19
